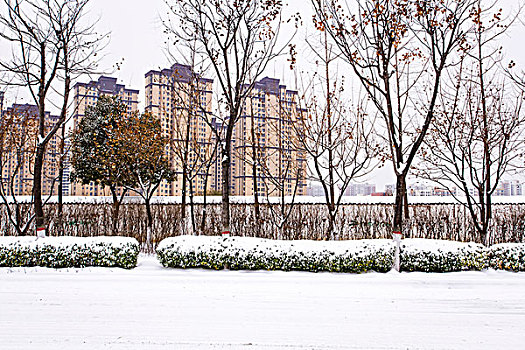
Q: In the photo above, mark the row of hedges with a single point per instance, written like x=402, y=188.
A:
x=60, y=252
x=336, y=256
x=262, y=254
x=244, y=253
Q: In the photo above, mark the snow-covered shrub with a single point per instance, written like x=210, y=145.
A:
x=507, y=256
x=59, y=252
x=246, y=253
x=429, y=255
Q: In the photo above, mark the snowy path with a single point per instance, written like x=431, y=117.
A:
x=155, y=308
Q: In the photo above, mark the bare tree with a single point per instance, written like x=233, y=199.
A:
x=192, y=143
x=238, y=39
x=396, y=49
x=337, y=137
x=271, y=150
x=48, y=40
x=477, y=135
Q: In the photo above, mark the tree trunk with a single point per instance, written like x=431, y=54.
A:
x=331, y=223
x=397, y=233
x=399, y=203
x=226, y=175
x=61, y=183
x=255, y=159
x=192, y=212
x=183, y=202
x=116, y=210
x=204, y=203
x=149, y=243
x=37, y=191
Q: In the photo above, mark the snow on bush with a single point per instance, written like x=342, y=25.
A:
x=246, y=253
x=430, y=255
x=507, y=256
x=59, y=252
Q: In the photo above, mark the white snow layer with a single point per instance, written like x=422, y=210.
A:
x=195, y=243
x=66, y=241
x=155, y=308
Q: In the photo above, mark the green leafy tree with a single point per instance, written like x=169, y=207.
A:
x=97, y=150
x=144, y=150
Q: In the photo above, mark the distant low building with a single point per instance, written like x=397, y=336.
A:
x=314, y=190
x=444, y=192
x=509, y=188
x=365, y=189
x=390, y=189
x=419, y=190
x=381, y=194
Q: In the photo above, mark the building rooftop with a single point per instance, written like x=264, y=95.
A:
x=30, y=109
x=107, y=85
x=271, y=86
x=180, y=72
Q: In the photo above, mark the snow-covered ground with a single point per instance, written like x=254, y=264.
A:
x=151, y=307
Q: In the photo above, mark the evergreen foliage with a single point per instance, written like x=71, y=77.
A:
x=62, y=252
x=97, y=146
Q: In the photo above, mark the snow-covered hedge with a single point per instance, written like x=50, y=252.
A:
x=245, y=253
x=59, y=252
x=510, y=256
x=429, y=255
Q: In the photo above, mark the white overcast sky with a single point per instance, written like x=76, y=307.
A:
x=137, y=37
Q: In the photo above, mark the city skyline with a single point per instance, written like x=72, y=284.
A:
x=133, y=47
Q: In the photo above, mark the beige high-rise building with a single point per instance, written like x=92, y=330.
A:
x=266, y=136
x=18, y=161
x=183, y=100
x=86, y=95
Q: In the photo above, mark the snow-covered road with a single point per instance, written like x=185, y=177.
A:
x=155, y=308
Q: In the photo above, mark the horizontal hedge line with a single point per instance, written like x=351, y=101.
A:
x=243, y=253
x=508, y=256
x=442, y=256
x=61, y=252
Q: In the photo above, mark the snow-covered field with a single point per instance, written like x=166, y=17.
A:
x=156, y=308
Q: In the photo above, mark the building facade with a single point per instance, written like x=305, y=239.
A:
x=509, y=188
x=266, y=157
x=86, y=95
x=182, y=100
x=365, y=189
x=18, y=161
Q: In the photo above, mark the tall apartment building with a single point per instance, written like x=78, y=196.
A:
x=18, y=167
x=86, y=95
x=182, y=100
x=266, y=136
